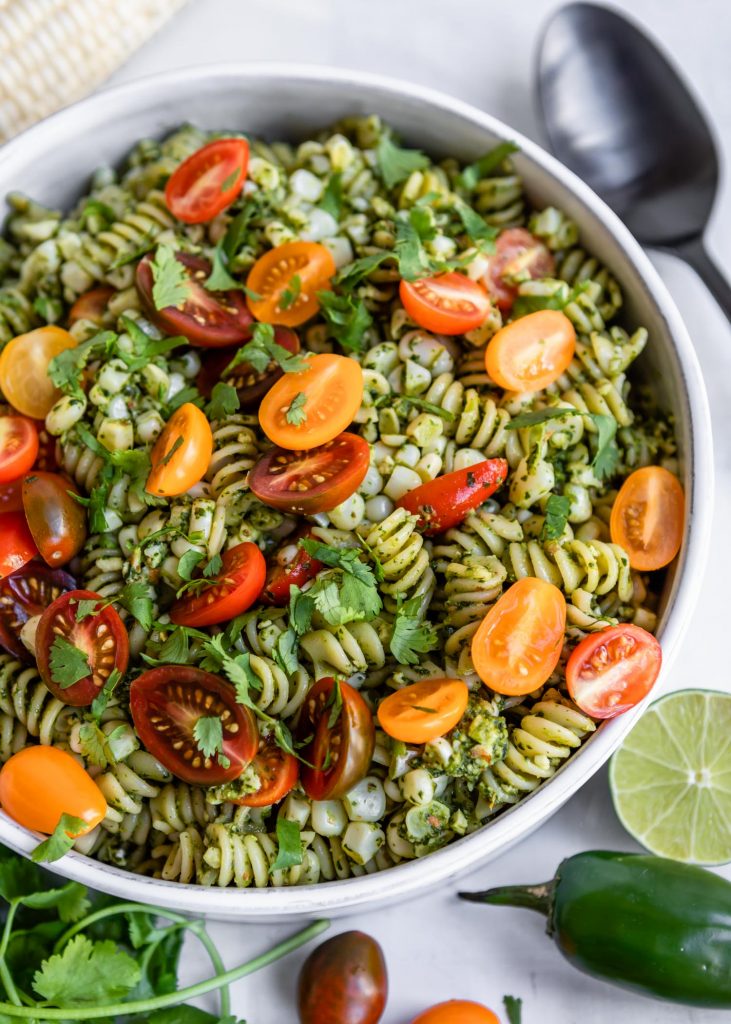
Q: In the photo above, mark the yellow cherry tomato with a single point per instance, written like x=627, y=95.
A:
x=181, y=454
x=24, y=366
x=39, y=784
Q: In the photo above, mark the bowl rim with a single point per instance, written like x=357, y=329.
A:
x=411, y=878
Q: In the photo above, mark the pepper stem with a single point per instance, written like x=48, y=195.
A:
x=532, y=897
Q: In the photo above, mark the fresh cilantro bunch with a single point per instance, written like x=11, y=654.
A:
x=67, y=954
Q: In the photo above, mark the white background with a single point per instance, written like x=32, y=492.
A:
x=482, y=51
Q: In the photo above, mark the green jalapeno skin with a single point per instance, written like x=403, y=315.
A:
x=648, y=924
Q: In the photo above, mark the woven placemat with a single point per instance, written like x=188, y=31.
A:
x=53, y=52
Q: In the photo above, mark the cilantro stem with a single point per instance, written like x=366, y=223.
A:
x=5, y=976
x=173, y=998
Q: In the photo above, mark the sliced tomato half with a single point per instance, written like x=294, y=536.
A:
x=291, y=567
x=231, y=593
x=518, y=255
x=446, y=304
x=24, y=594
x=278, y=772
x=251, y=385
x=611, y=671
x=445, y=501
x=18, y=447
x=208, y=181
x=16, y=543
x=338, y=724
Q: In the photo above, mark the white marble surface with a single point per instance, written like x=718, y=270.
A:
x=481, y=51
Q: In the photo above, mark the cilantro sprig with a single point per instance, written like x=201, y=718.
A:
x=395, y=164
x=263, y=350
x=171, y=285
x=558, y=507
x=411, y=636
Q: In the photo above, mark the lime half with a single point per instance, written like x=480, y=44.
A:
x=671, y=778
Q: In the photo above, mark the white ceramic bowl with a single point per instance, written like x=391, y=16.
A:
x=52, y=162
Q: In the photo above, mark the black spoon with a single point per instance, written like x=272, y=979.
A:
x=618, y=113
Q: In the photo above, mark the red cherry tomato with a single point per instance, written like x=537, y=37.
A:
x=315, y=480
x=207, y=319
x=447, y=500
x=518, y=255
x=24, y=594
x=339, y=754
x=235, y=589
x=278, y=772
x=56, y=521
x=16, y=543
x=208, y=181
x=447, y=304
x=343, y=982
x=100, y=637
x=167, y=703
x=292, y=567
x=251, y=385
x=611, y=671
x=11, y=496
x=18, y=447
x=92, y=305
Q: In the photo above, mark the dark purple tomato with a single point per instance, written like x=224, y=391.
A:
x=343, y=982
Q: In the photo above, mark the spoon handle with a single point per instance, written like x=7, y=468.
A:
x=695, y=253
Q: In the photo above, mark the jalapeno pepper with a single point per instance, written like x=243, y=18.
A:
x=645, y=923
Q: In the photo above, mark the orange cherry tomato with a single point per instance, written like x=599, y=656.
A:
x=447, y=304
x=181, y=454
x=286, y=281
x=307, y=409
x=532, y=352
x=208, y=181
x=518, y=643
x=647, y=517
x=239, y=583
x=24, y=366
x=92, y=305
x=422, y=711
x=39, y=784
x=16, y=543
x=18, y=447
x=611, y=671
x=457, y=1011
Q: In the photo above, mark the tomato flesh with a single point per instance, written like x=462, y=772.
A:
x=286, y=281
x=18, y=447
x=446, y=500
x=25, y=594
x=208, y=181
x=207, y=319
x=167, y=702
x=16, y=543
x=251, y=385
x=311, y=481
x=518, y=255
x=237, y=586
x=101, y=637
x=292, y=567
x=648, y=516
x=39, y=784
x=344, y=981
x=611, y=671
x=56, y=521
x=518, y=643
x=278, y=772
x=182, y=453
x=333, y=768
x=447, y=304
x=423, y=711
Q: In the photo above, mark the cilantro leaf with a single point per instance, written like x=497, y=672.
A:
x=213, y=566
x=558, y=507
x=360, y=269
x=291, y=293
x=301, y=607
x=224, y=401
x=532, y=419
x=135, y=598
x=208, y=735
x=86, y=972
x=478, y=231
x=295, y=413
x=348, y=598
x=263, y=349
x=347, y=318
x=171, y=285
x=48, y=308
x=416, y=403
x=396, y=164
x=414, y=262
x=411, y=635
x=513, y=1008
x=335, y=703
x=99, y=704
x=65, y=368
x=486, y=165
x=219, y=279
x=60, y=842
x=176, y=648
x=188, y=562
x=285, y=651
x=68, y=663
x=69, y=900
x=238, y=669
x=332, y=198
x=606, y=458
x=290, y=846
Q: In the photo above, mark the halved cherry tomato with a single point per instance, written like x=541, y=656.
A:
x=208, y=181
x=24, y=366
x=11, y=496
x=16, y=543
x=457, y=1011
x=167, y=703
x=320, y=402
x=56, y=521
x=287, y=280
x=518, y=643
x=311, y=481
x=338, y=755
x=181, y=454
x=278, y=772
x=518, y=255
x=611, y=671
x=18, y=447
x=532, y=352
x=24, y=594
x=101, y=637
x=344, y=981
x=422, y=711
x=292, y=567
x=40, y=784
x=235, y=589
x=207, y=319
x=447, y=304
x=446, y=500
x=92, y=305
x=648, y=516
x=251, y=385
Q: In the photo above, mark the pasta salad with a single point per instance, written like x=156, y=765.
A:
x=330, y=525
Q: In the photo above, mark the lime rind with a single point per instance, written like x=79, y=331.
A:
x=671, y=779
